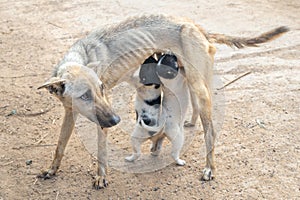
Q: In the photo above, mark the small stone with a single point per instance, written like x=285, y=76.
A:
x=28, y=162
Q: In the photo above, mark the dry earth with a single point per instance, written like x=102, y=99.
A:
x=258, y=146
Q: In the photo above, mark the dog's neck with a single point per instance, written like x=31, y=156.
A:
x=153, y=102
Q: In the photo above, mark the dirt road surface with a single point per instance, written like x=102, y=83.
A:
x=258, y=145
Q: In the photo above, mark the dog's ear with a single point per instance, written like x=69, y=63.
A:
x=54, y=85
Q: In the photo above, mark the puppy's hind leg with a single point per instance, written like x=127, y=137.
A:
x=156, y=146
x=100, y=179
x=65, y=133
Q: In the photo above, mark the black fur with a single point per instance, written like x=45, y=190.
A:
x=153, y=102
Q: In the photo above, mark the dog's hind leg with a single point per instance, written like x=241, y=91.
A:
x=196, y=110
x=100, y=179
x=66, y=131
x=198, y=64
x=209, y=133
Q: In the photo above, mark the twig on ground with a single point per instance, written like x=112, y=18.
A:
x=260, y=123
x=234, y=80
x=33, y=145
x=5, y=106
x=54, y=24
x=35, y=114
x=22, y=76
x=8, y=163
x=57, y=195
x=36, y=179
x=39, y=141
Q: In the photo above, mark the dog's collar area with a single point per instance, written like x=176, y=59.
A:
x=153, y=102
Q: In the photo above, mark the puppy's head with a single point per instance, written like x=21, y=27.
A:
x=167, y=67
x=79, y=89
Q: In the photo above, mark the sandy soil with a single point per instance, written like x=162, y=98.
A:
x=258, y=146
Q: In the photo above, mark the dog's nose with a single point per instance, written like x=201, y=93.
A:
x=115, y=120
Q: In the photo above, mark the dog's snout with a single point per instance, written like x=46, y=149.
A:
x=115, y=120
x=107, y=121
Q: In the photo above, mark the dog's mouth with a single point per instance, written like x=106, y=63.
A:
x=109, y=122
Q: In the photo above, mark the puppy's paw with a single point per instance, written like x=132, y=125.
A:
x=47, y=174
x=155, y=153
x=207, y=174
x=130, y=158
x=188, y=124
x=180, y=162
x=100, y=182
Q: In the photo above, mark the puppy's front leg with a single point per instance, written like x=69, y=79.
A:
x=65, y=133
x=100, y=179
x=136, y=145
x=176, y=136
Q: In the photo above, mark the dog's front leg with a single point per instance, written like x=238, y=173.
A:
x=100, y=179
x=65, y=133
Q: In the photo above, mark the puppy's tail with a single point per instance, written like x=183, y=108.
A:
x=241, y=42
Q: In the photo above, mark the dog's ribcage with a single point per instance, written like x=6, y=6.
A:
x=119, y=48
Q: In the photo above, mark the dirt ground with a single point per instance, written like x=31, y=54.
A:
x=258, y=145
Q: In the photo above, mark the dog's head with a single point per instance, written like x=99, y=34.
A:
x=79, y=89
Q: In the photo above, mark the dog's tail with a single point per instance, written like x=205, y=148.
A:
x=241, y=42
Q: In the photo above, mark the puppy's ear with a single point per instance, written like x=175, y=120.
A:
x=54, y=85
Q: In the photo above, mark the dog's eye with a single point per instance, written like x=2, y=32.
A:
x=86, y=96
x=102, y=88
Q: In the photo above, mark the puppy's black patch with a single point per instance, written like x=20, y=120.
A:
x=157, y=86
x=153, y=102
x=167, y=66
x=147, y=121
x=147, y=72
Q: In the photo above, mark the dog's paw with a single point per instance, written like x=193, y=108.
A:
x=188, y=124
x=47, y=174
x=207, y=174
x=180, y=162
x=100, y=182
x=130, y=158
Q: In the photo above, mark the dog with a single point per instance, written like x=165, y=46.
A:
x=175, y=101
x=148, y=105
x=97, y=62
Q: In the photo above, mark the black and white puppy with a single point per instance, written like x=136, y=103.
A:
x=161, y=116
